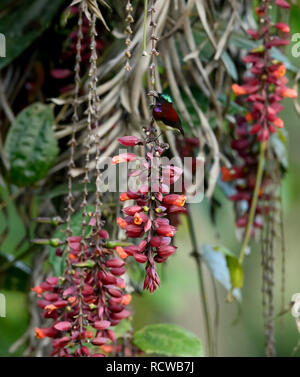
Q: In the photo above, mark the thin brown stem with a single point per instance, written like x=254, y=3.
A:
x=203, y=296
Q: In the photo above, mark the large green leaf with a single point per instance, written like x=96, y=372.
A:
x=26, y=21
x=31, y=146
x=168, y=339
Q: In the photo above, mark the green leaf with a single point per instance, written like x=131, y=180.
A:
x=4, y=4
x=278, y=55
x=62, y=190
x=246, y=44
x=25, y=21
x=12, y=229
x=216, y=260
x=122, y=328
x=58, y=263
x=242, y=42
x=76, y=221
x=230, y=66
x=168, y=339
x=236, y=271
x=30, y=146
x=279, y=145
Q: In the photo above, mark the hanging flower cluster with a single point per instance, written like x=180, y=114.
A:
x=260, y=94
x=64, y=75
x=86, y=301
x=263, y=90
x=146, y=219
x=244, y=174
x=89, y=299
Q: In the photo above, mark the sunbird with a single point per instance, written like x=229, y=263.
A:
x=165, y=115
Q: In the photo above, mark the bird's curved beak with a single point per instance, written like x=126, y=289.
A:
x=153, y=93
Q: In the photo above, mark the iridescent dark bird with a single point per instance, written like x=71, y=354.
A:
x=165, y=115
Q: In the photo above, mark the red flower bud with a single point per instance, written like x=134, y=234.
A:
x=114, y=292
x=141, y=258
x=134, y=231
x=99, y=341
x=283, y=27
x=101, y=325
x=118, y=271
x=60, y=73
x=166, y=251
x=129, y=141
x=53, y=280
x=166, y=230
x=114, y=262
x=63, y=326
x=157, y=241
x=131, y=210
x=121, y=315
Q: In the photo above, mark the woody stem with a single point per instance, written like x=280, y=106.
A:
x=203, y=297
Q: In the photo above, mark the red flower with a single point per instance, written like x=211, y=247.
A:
x=238, y=90
x=231, y=174
x=166, y=230
x=277, y=42
x=38, y=290
x=88, y=290
x=146, y=218
x=278, y=122
x=126, y=299
x=121, y=252
x=122, y=222
x=178, y=200
x=291, y=93
x=283, y=27
x=45, y=332
x=280, y=70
